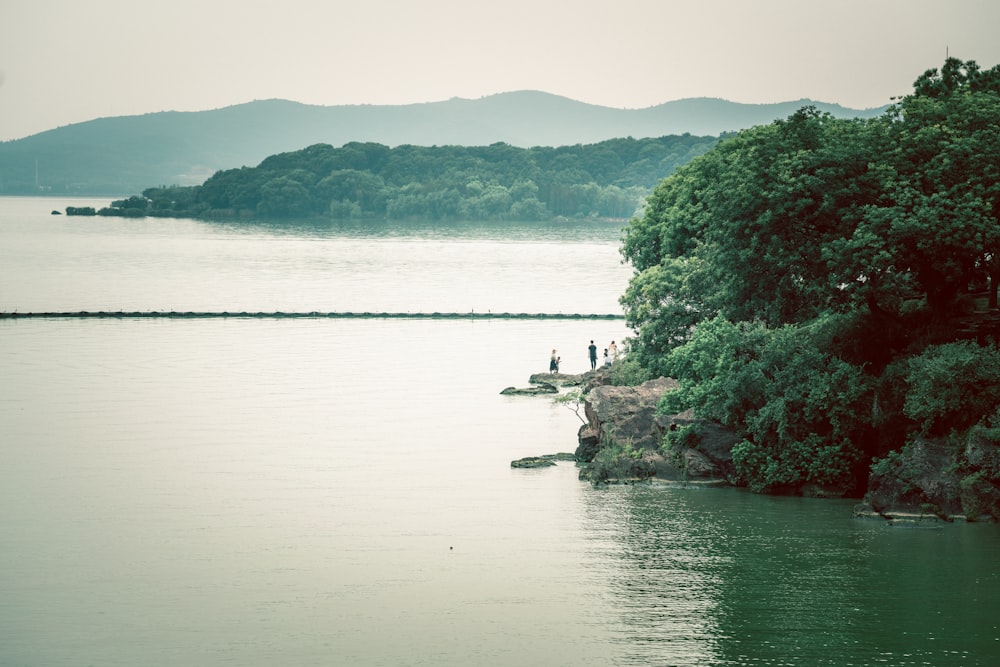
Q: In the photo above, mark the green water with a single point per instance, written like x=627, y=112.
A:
x=797, y=581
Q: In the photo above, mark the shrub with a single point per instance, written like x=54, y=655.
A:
x=800, y=410
x=953, y=386
x=628, y=372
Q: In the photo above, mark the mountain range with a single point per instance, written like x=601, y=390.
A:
x=124, y=155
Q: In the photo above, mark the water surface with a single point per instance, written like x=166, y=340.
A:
x=338, y=492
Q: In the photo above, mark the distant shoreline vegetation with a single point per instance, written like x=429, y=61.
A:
x=370, y=181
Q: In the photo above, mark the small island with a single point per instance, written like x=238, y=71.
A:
x=608, y=180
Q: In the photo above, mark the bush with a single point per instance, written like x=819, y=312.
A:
x=951, y=387
x=628, y=372
x=800, y=410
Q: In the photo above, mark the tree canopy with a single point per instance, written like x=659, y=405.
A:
x=609, y=179
x=843, y=248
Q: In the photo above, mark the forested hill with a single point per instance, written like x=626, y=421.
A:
x=609, y=179
x=121, y=155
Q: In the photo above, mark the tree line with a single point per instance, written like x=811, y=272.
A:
x=609, y=179
x=815, y=284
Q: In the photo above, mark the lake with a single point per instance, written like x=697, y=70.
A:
x=254, y=491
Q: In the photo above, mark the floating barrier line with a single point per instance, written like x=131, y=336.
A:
x=174, y=314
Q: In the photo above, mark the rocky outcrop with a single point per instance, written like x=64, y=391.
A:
x=934, y=480
x=601, y=375
x=543, y=388
x=626, y=420
x=549, y=383
x=709, y=454
x=532, y=462
x=543, y=461
x=624, y=414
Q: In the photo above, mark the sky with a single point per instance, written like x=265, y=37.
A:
x=69, y=61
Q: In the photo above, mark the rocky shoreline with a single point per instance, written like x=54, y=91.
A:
x=929, y=481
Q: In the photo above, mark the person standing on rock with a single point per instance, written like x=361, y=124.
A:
x=613, y=349
x=593, y=355
x=607, y=359
x=554, y=363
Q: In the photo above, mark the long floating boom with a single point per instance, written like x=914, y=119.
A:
x=174, y=314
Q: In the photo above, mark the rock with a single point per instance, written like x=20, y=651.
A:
x=698, y=465
x=593, y=379
x=589, y=443
x=711, y=456
x=931, y=479
x=549, y=383
x=530, y=391
x=542, y=461
x=532, y=462
x=558, y=379
x=919, y=483
x=627, y=414
x=983, y=453
x=626, y=471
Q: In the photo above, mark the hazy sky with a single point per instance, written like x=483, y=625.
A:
x=66, y=61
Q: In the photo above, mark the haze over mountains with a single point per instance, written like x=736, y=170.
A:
x=124, y=155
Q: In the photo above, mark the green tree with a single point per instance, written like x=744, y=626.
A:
x=363, y=188
x=753, y=224
x=802, y=412
x=791, y=277
x=783, y=222
x=284, y=197
x=496, y=182
x=945, y=190
x=953, y=386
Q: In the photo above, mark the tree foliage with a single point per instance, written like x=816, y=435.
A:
x=952, y=386
x=801, y=410
x=784, y=277
x=497, y=182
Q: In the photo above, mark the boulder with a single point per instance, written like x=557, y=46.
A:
x=931, y=479
x=624, y=470
x=543, y=461
x=625, y=414
x=532, y=462
x=544, y=388
x=560, y=379
x=549, y=383
x=913, y=484
x=589, y=443
x=711, y=455
x=593, y=379
x=628, y=415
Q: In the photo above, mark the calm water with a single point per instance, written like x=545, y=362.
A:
x=331, y=492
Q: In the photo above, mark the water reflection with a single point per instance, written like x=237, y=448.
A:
x=112, y=264
x=725, y=577
x=664, y=574
x=564, y=231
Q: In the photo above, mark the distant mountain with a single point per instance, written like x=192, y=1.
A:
x=127, y=154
